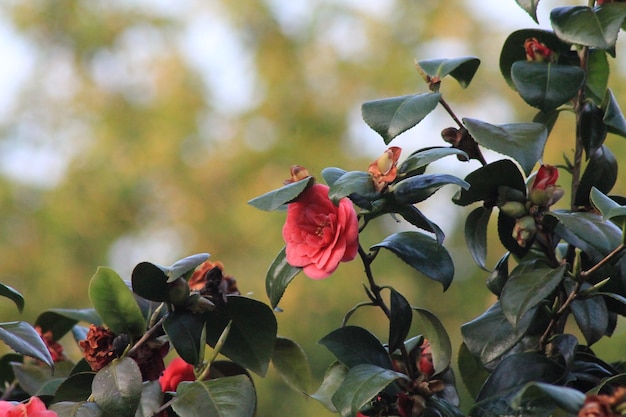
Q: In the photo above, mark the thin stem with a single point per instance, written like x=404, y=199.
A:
x=163, y=407
x=446, y=106
x=7, y=393
x=578, y=151
x=603, y=262
x=146, y=336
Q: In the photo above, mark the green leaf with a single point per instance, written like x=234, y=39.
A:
x=353, y=182
x=413, y=215
x=491, y=335
x=115, y=303
x=597, y=28
x=472, y=371
x=59, y=321
x=589, y=232
x=530, y=7
x=419, y=187
x=6, y=370
x=422, y=253
x=592, y=317
x=400, y=319
x=185, y=265
x=496, y=280
x=232, y=396
x=523, y=142
x=334, y=376
x=597, y=76
x=353, y=345
x=362, y=383
x=292, y=364
x=13, y=295
x=461, y=69
x=527, y=286
x=116, y=388
x=76, y=387
x=279, y=275
x=609, y=209
x=31, y=377
x=484, y=182
x=546, y=86
x=613, y=116
x=417, y=162
x=432, y=328
x=601, y=172
x=275, y=199
x=150, y=282
x=24, y=339
x=393, y=116
x=185, y=332
x=151, y=399
x=476, y=234
x=252, y=334
x=76, y=409
x=567, y=399
x=593, y=131
x=332, y=174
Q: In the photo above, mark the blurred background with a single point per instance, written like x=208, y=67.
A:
x=138, y=130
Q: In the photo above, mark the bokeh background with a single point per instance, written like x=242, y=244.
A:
x=137, y=130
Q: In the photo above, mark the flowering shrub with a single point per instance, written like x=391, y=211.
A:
x=561, y=268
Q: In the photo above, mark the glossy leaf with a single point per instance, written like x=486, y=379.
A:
x=609, y=209
x=59, y=321
x=613, y=116
x=530, y=7
x=527, y=286
x=472, y=371
x=185, y=332
x=252, y=334
x=31, y=377
x=13, y=295
x=333, y=378
x=76, y=409
x=332, y=174
x=484, y=182
x=392, y=116
x=353, y=345
x=582, y=25
x=597, y=77
x=24, y=339
x=361, y=384
x=6, y=369
x=601, y=172
x=413, y=215
x=353, y=182
x=278, y=277
x=417, y=162
x=76, y=387
x=567, y=399
x=592, y=318
x=422, y=253
x=292, y=364
x=546, y=86
x=115, y=303
x=151, y=399
x=400, y=320
x=419, y=187
x=461, y=69
x=506, y=224
x=116, y=388
x=150, y=282
x=476, y=234
x=496, y=280
x=224, y=397
x=592, y=128
x=589, y=232
x=276, y=199
x=432, y=328
x=185, y=266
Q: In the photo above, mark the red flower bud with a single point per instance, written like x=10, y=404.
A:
x=543, y=190
x=425, y=364
x=176, y=372
x=537, y=51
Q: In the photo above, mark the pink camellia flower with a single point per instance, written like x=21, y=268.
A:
x=176, y=372
x=33, y=408
x=318, y=234
x=543, y=190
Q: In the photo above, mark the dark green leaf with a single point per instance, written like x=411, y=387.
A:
x=332, y=174
x=530, y=7
x=532, y=393
x=506, y=224
x=275, y=199
x=590, y=231
x=491, y=335
x=116, y=388
x=151, y=399
x=31, y=377
x=400, y=320
x=73, y=409
x=6, y=370
x=484, y=183
x=185, y=332
x=546, y=86
x=601, y=172
x=496, y=280
x=609, y=209
x=547, y=118
x=592, y=318
x=252, y=334
x=527, y=286
x=419, y=187
x=523, y=142
x=413, y=215
x=292, y=364
x=150, y=282
x=417, y=162
x=279, y=275
x=423, y=253
x=354, y=345
x=333, y=378
x=13, y=295
x=432, y=328
x=613, y=116
x=472, y=371
x=592, y=128
x=76, y=388
x=597, y=76
x=393, y=116
x=115, y=303
x=476, y=234
x=461, y=69
x=59, y=321
x=232, y=396
x=353, y=182
x=24, y=339
x=582, y=25
x=186, y=265
x=361, y=384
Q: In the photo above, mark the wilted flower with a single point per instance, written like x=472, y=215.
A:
x=318, y=234
x=176, y=372
x=55, y=349
x=297, y=173
x=537, y=51
x=384, y=169
x=98, y=347
x=210, y=281
x=149, y=357
x=33, y=408
x=543, y=191
x=603, y=405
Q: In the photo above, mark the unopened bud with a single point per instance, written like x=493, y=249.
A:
x=297, y=173
x=514, y=209
x=524, y=230
x=200, y=304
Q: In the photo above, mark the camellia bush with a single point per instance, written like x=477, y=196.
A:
x=560, y=268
